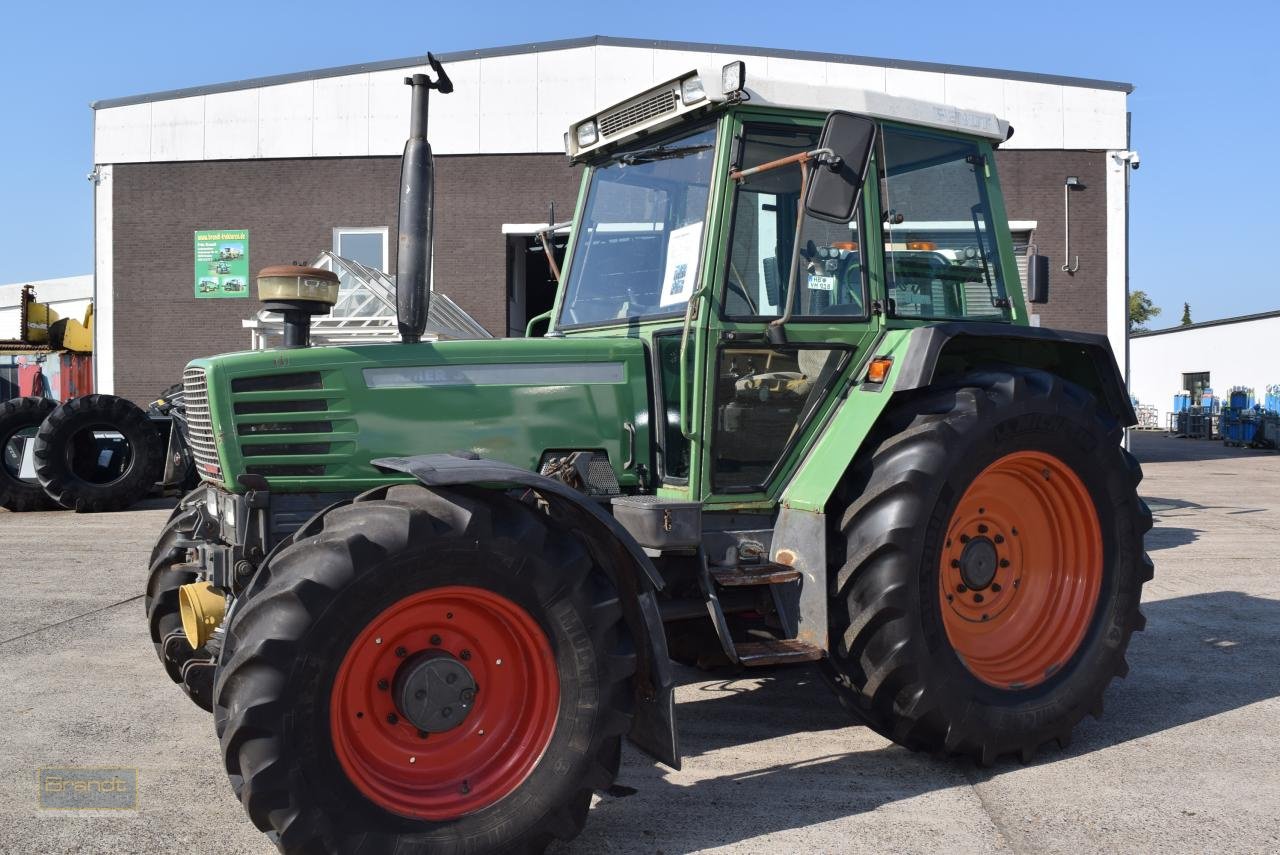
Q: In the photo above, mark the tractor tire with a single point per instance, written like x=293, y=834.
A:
x=310, y=704
x=67, y=457
x=21, y=415
x=993, y=568
x=168, y=572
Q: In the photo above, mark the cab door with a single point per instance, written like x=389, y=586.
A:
x=765, y=401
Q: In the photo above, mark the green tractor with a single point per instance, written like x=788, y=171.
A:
x=787, y=409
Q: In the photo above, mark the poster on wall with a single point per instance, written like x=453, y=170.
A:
x=222, y=263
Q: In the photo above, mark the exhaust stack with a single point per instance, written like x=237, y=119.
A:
x=417, y=191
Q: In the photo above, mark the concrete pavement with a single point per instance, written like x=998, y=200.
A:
x=1183, y=759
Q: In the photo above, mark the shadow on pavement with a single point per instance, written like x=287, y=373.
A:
x=1201, y=655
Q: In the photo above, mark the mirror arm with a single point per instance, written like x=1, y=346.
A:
x=824, y=156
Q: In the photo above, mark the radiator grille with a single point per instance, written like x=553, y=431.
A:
x=200, y=424
x=637, y=112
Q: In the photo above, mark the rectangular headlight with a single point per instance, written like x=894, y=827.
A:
x=587, y=133
x=733, y=77
x=691, y=91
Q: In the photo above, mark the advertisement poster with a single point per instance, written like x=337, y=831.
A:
x=222, y=263
x=681, y=275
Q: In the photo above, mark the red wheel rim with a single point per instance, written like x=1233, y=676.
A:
x=1028, y=522
x=492, y=751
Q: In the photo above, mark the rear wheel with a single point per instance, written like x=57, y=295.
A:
x=429, y=671
x=994, y=567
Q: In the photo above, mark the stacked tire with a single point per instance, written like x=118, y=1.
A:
x=94, y=453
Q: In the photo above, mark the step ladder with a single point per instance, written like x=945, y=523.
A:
x=777, y=578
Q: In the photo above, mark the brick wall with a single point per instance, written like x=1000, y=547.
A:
x=1032, y=183
x=290, y=208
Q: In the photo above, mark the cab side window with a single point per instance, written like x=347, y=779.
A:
x=829, y=281
x=941, y=258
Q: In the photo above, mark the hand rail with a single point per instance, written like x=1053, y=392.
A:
x=694, y=298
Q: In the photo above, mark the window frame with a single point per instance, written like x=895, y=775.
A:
x=801, y=430
x=571, y=248
x=384, y=231
x=721, y=290
x=984, y=187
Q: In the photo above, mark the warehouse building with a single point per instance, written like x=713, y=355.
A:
x=279, y=169
x=1218, y=355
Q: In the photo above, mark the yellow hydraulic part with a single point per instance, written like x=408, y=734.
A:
x=202, y=609
x=43, y=326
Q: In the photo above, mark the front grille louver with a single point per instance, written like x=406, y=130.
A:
x=638, y=112
x=200, y=424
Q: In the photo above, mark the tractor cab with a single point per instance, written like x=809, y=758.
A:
x=701, y=229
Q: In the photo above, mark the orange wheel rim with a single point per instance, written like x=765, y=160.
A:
x=1021, y=570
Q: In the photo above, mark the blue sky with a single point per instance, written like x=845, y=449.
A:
x=1205, y=115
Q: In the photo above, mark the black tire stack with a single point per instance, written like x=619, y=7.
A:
x=74, y=470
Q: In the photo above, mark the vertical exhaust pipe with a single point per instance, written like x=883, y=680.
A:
x=417, y=192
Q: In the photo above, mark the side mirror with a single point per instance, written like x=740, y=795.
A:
x=836, y=182
x=1037, y=278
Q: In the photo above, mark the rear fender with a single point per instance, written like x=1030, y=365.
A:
x=943, y=351
x=653, y=729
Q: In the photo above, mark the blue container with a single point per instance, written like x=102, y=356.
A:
x=1181, y=401
x=1208, y=401
x=1240, y=397
x=1272, y=402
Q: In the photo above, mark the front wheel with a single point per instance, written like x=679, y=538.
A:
x=994, y=567
x=426, y=671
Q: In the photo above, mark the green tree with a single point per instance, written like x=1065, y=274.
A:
x=1141, y=310
x=1186, y=314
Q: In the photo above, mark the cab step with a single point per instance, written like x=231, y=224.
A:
x=754, y=574
x=777, y=652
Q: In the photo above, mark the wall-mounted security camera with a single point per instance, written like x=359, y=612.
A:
x=1130, y=157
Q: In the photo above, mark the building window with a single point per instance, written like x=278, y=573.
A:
x=367, y=246
x=1196, y=384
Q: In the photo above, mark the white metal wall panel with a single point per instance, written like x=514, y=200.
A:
x=620, y=72
x=455, y=118
x=1035, y=111
x=122, y=134
x=975, y=93
x=562, y=98
x=525, y=102
x=672, y=63
x=285, y=116
x=177, y=129
x=869, y=77
x=341, y=124
x=1093, y=118
x=909, y=83
x=795, y=70
x=231, y=124
x=389, y=110
x=509, y=103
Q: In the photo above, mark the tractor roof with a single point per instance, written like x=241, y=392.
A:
x=698, y=90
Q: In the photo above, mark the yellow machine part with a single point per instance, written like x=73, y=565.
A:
x=202, y=609
x=75, y=335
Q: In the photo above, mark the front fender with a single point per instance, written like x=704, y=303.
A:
x=653, y=728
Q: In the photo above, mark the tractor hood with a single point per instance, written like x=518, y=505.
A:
x=313, y=419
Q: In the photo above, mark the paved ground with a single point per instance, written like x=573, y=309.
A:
x=1183, y=760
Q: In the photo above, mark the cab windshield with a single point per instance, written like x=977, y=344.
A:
x=639, y=239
